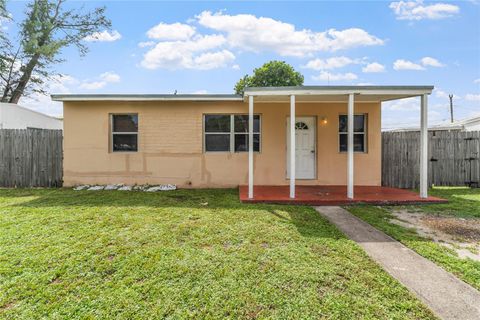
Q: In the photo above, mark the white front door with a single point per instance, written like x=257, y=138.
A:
x=305, y=151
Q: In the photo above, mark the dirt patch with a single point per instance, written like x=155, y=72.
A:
x=461, y=235
x=8, y=306
x=465, y=230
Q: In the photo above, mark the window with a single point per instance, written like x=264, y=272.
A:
x=229, y=133
x=241, y=133
x=359, y=133
x=217, y=132
x=124, y=129
x=301, y=126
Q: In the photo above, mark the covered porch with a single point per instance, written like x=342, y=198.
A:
x=334, y=195
x=297, y=190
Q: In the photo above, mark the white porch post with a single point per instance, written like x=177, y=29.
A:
x=424, y=146
x=250, y=147
x=350, y=147
x=292, y=146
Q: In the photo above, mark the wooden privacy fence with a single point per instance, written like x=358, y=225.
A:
x=31, y=158
x=453, y=158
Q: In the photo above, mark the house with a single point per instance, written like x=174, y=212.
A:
x=227, y=140
x=469, y=124
x=13, y=116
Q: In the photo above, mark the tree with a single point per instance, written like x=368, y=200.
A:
x=47, y=29
x=4, y=43
x=4, y=16
x=271, y=74
x=3, y=10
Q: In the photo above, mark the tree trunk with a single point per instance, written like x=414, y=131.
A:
x=5, y=94
x=22, y=84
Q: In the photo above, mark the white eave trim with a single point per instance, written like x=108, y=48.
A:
x=199, y=97
x=406, y=92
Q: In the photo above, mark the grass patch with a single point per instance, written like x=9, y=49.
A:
x=183, y=254
x=463, y=202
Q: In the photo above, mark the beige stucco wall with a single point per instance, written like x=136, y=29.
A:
x=171, y=145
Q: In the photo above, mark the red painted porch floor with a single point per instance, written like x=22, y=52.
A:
x=334, y=195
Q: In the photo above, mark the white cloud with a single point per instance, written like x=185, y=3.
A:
x=408, y=119
x=408, y=104
x=104, y=36
x=431, y=62
x=200, y=92
x=401, y=64
x=444, y=95
x=190, y=54
x=94, y=85
x=63, y=84
x=212, y=60
x=4, y=21
x=180, y=46
x=417, y=10
x=330, y=63
x=440, y=94
x=145, y=44
x=105, y=78
x=174, y=31
x=327, y=76
x=251, y=33
x=110, y=76
x=42, y=102
x=373, y=67
x=236, y=67
x=472, y=97
x=476, y=81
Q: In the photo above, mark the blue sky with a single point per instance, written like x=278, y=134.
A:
x=205, y=47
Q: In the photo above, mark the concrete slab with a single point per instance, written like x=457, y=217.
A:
x=446, y=295
x=319, y=195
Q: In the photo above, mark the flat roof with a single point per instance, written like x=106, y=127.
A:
x=332, y=94
x=147, y=97
x=273, y=94
x=339, y=90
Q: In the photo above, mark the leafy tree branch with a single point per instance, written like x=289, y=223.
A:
x=271, y=74
x=26, y=62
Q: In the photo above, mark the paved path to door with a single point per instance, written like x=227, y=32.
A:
x=446, y=295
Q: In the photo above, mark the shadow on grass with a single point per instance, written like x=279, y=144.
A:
x=307, y=221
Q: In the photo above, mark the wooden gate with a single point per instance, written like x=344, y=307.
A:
x=453, y=158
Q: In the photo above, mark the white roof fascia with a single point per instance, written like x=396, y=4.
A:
x=409, y=92
x=73, y=97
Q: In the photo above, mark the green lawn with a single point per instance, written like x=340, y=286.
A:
x=183, y=254
x=463, y=203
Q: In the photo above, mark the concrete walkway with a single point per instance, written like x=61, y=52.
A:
x=447, y=296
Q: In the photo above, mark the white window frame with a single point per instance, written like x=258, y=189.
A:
x=232, y=132
x=112, y=133
x=204, y=133
x=364, y=132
